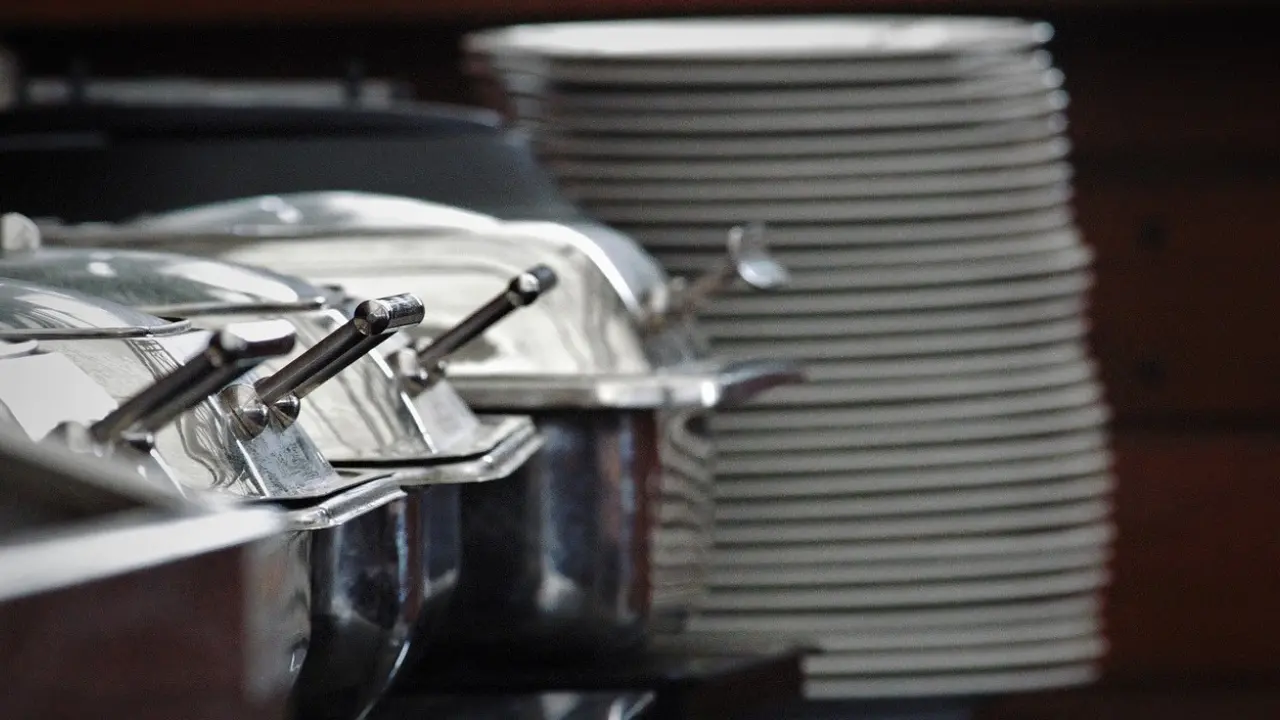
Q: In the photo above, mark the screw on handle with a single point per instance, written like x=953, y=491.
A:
x=524, y=289
x=231, y=353
x=372, y=322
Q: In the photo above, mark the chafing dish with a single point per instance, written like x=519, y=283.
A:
x=362, y=419
x=107, y=380
x=358, y=417
x=119, y=599
x=579, y=554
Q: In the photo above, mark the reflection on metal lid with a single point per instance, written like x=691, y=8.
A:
x=26, y=310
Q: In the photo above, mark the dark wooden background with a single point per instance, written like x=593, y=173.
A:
x=1176, y=124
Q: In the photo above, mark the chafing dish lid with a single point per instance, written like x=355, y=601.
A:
x=301, y=213
x=162, y=283
x=180, y=285
x=620, y=259
x=582, y=345
x=29, y=312
x=283, y=464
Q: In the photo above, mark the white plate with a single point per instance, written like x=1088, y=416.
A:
x=992, y=316
x=892, y=504
x=785, y=439
x=904, y=480
x=812, y=394
x=1004, y=292
x=846, y=599
x=621, y=74
x=815, y=211
x=754, y=417
x=786, y=466
x=790, y=73
x=1057, y=262
x=888, y=623
x=530, y=76
x=698, y=190
x=730, y=579
x=1032, y=82
x=952, y=684
x=908, y=163
x=1078, y=626
x=777, y=122
x=995, y=136
x=954, y=659
x=759, y=39
x=901, y=346
x=927, y=368
x=987, y=522
x=889, y=255
x=836, y=235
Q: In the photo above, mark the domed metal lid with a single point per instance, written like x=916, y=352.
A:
x=30, y=312
x=613, y=333
x=151, y=282
x=301, y=213
x=359, y=416
x=98, y=366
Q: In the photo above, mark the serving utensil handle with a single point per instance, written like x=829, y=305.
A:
x=372, y=322
x=231, y=352
x=524, y=289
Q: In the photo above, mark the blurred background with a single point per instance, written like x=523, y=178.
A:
x=1173, y=120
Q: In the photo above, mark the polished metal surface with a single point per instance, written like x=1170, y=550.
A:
x=503, y=444
x=599, y=541
x=555, y=560
x=694, y=385
x=353, y=545
x=362, y=552
x=588, y=331
x=230, y=353
x=583, y=327
x=370, y=324
x=81, y=532
x=162, y=284
x=32, y=312
x=747, y=260
x=83, y=381
x=534, y=706
x=360, y=415
x=523, y=290
x=303, y=213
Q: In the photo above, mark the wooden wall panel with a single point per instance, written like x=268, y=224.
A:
x=1196, y=574
x=1186, y=301
x=1223, y=701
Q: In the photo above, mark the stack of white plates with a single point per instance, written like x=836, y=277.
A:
x=933, y=508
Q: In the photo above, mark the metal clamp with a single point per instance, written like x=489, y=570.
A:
x=746, y=259
x=371, y=324
x=426, y=366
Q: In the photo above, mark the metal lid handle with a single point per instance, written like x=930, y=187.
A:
x=372, y=322
x=747, y=259
x=231, y=352
x=523, y=290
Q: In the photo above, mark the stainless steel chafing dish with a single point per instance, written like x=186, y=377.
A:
x=580, y=554
x=108, y=380
x=85, y=544
x=361, y=418
x=358, y=417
